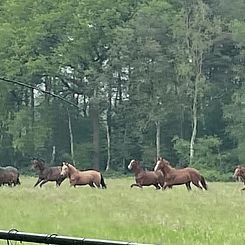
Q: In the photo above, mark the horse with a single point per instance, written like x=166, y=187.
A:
x=145, y=178
x=46, y=173
x=9, y=175
x=93, y=178
x=185, y=176
x=240, y=172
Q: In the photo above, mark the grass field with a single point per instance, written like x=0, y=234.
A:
x=166, y=217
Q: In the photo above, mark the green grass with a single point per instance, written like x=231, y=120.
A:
x=166, y=217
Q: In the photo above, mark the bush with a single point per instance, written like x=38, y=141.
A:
x=216, y=176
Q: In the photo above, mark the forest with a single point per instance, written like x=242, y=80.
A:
x=133, y=79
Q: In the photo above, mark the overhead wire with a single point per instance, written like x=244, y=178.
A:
x=38, y=89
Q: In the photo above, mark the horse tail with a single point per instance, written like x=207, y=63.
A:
x=102, y=182
x=204, y=183
x=18, y=181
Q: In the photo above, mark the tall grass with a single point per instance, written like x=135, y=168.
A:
x=120, y=213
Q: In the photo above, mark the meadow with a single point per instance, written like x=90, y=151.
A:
x=166, y=217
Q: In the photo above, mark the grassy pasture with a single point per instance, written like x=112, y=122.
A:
x=120, y=213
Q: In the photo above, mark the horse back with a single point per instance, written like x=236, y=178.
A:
x=86, y=177
x=193, y=171
x=149, y=177
x=7, y=177
x=51, y=173
x=91, y=172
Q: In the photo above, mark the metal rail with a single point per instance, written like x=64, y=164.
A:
x=15, y=235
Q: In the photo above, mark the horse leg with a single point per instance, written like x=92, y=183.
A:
x=188, y=186
x=73, y=185
x=38, y=181
x=157, y=186
x=91, y=184
x=57, y=183
x=196, y=182
x=138, y=185
x=97, y=183
x=60, y=180
x=43, y=182
x=166, y=185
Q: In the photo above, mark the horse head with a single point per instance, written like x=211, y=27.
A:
x=238, y=172
x=133, y=165
x=161, y=164
x=38, y=164
x=64, y=169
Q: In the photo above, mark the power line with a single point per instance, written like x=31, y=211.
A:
x=38, y=89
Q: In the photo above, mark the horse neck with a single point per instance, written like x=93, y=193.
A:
x=41, y=167
x=167, y=168
x=72, y=170
x=137, y=170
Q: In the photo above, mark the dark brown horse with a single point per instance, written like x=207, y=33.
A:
x=9, y=175
x=185, y=176
x=145, y=178
x=92, y=178
x=240, y=172
x=46, y=173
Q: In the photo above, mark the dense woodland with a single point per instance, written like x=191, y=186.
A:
x=145, y=78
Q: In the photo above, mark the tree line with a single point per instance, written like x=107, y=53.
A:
x=148, y=78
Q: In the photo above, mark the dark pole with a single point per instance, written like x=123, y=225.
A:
x=15, y=235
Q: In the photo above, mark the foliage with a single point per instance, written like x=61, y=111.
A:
x=207, y=152
x=128, y=64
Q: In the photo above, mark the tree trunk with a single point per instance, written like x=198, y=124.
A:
x=32, y=108
x=108, y=128
x=194, y=122
x=71, y=136
x=53, y=155
x=94, y=114
x=48, y=89
x=158, y=137
x=124, y=146
x=31, y=127
x=108, y=134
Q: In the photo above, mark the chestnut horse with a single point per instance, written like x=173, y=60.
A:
x=185, y=176
x=46, y=173
x=145, y=178
x=92, y=178
x=240, y=172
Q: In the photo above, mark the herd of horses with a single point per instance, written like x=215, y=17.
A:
x=163, y=176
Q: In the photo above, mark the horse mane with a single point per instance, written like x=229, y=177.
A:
x=242, y=169
x=40, y=163
x=164, y=160
x=70, y=166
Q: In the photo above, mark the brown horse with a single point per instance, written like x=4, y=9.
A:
x=92, y=178
x=185, y=176
x=9, y=175
x=145, y=178
x=46, y=173
x=240, y=172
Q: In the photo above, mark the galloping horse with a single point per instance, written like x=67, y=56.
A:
x=146, y=178
x=9, y=175
x=240, y=172
x=46, y=173
x=185, y=176
x=92, y=178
